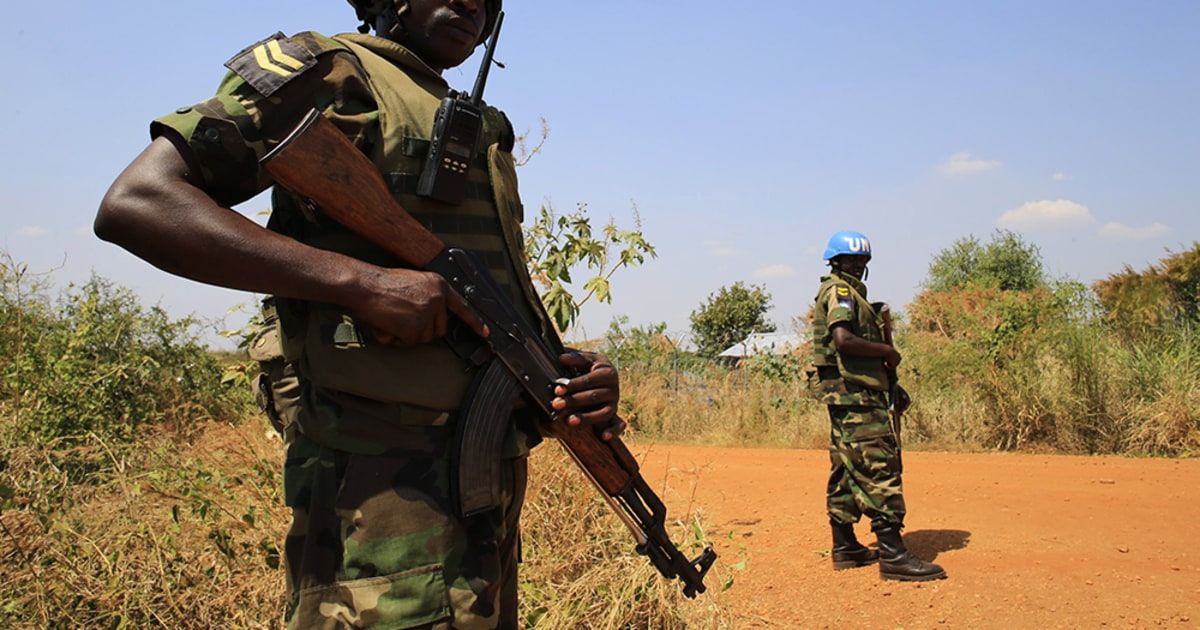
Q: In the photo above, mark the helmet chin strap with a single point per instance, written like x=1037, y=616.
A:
x=836, y=266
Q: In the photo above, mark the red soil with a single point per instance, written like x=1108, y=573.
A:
x=1028, y=541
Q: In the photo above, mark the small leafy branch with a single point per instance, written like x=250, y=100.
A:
x=557, y=244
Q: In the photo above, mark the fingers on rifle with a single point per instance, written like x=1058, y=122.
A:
x=458, y=305
x=574, y=359
x=594, y=416
x=615, y=428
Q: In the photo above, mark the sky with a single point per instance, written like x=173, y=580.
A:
x=737, y=136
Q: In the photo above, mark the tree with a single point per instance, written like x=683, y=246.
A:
x=1168, y=291
x=1006, y=263
x=954, y=267
x=729, y=316
x=557, y=244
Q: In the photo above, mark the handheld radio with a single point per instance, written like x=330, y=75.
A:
x=456, y=130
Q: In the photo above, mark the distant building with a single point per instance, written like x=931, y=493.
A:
x=777, y=343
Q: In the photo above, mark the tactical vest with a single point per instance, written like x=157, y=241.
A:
x=865, y=371
x=330, y=349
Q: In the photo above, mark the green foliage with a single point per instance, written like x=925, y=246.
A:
x=557, y=244
x=980, y=343
x=1167, y=293
x=240, y=370
x=782, y=368
x=728, y=316
x=647, y=349
x=642, y=345
x=1006, y=263
x=95, y=361
x=1159, y=389
x=954, y=267
x=1039, y=369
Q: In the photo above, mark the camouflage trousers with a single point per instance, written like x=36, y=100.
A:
x=375, y=543
x=864, y=476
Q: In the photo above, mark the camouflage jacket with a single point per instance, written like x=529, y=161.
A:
x=271, y=86
x=842, y=299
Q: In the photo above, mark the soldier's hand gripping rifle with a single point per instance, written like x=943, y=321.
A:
x=317, y=162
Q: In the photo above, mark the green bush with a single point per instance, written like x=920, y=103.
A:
x=1041, y=370
x=93, y=360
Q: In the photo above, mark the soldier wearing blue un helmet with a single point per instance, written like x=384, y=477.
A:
x=853, y=372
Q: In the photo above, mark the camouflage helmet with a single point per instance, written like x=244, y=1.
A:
x=368, y=10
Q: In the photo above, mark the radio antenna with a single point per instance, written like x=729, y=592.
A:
x=477, y=91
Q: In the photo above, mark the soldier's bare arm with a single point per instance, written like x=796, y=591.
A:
x=157, y=210
x=849, y=343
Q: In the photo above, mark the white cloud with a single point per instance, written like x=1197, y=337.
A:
x=717, y=248
x=775, y=271
x=1061, y=177
x=963, y=163
x=32, y=231
x=1122, y=232
x=1047, y=214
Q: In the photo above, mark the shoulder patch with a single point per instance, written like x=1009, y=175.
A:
x=269, y=64
x=841, y=293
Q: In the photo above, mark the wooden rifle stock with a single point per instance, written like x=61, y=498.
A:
x=885, y=314
x=316, y=161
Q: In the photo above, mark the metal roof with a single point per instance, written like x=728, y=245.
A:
x=765, y=343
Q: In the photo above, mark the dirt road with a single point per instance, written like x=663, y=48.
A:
x=1028, y=541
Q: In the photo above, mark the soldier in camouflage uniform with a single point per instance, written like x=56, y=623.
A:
x=851, y=364
x=366, y=364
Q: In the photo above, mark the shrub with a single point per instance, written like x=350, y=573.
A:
x=1041, y=370
x=95, y=360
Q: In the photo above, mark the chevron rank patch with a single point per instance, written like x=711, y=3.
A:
x=842, y=294
x=271, y=63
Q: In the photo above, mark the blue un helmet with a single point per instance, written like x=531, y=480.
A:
x=848, y=242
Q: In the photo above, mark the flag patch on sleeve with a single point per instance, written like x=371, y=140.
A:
x=842, y=294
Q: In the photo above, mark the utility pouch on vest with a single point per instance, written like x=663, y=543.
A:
x=267, y=349
x=339, y=356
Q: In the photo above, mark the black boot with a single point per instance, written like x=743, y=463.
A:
x=847, y=552
x=895, y=563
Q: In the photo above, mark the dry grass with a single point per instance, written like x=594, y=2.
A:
x=1164, y=415
x=183, y=529
x=735, y=409
x=185, y=533
x=580, y=569
x=178, y=535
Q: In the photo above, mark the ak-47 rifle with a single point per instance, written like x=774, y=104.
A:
x=317, y=162
x=895, y=408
